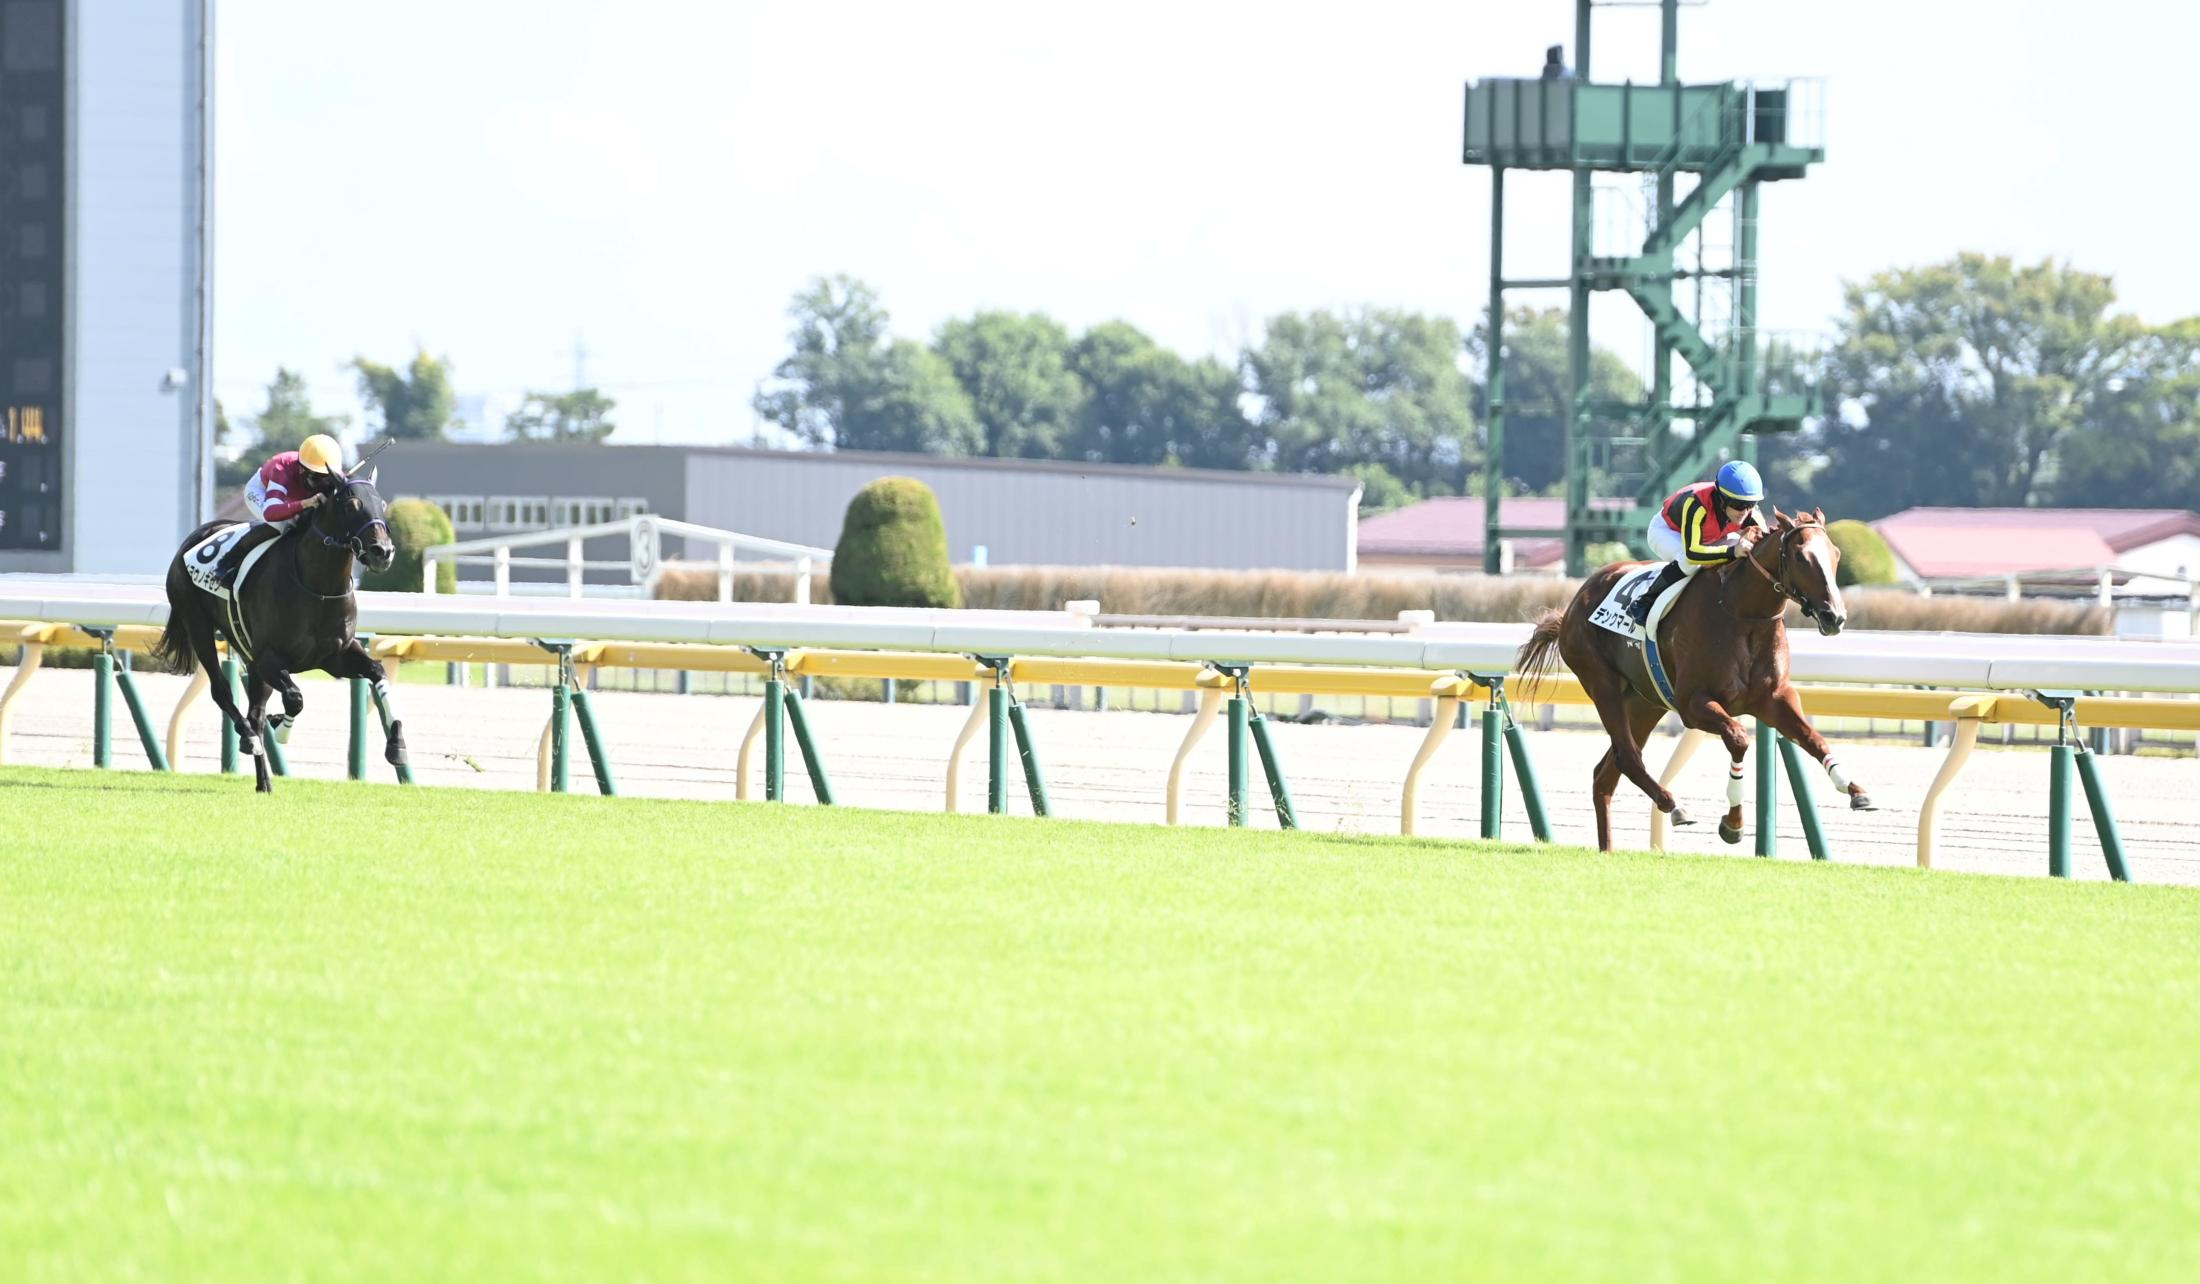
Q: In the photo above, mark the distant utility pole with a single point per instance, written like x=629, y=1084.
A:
x=580, y=363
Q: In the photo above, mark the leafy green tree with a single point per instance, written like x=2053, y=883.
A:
x=415, y=404
x=583, y=415
x=234, y=457
x=1958, y=383
x=285, y=421
x=415, y=524
x=916, y=405
x=1537, y=386
x=1865, y=557
x=1016, y=368
x=1147, y=405
x=846, y=386
x=2141, y=446
x=1379, y=491
x=893, y=549
x=1377, y=387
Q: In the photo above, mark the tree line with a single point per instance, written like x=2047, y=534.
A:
x=1973, y=382
x=415, y=403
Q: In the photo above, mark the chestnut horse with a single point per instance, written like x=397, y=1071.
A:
x=1725, y=649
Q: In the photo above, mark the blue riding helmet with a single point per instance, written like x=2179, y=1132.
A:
x=1739, y=482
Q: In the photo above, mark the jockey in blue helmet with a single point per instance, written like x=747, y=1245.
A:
x=1702, y=525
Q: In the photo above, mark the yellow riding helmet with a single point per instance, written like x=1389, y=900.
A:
x=321, y=454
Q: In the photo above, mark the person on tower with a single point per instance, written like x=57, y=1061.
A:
x=1702, y=525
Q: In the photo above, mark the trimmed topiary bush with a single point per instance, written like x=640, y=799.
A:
x=415, y=524
x=1865, y=557
x=893, y=549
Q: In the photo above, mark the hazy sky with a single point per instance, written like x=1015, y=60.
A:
x=497, y=178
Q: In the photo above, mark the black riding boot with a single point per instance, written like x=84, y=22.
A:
x=1667, y=578
x=260, y=533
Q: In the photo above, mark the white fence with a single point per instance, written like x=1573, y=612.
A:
x=645, y=561
x=1989, y=662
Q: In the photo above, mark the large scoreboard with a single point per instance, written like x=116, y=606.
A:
x=33, y=255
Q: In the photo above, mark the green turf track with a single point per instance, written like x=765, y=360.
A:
x=358, y=1032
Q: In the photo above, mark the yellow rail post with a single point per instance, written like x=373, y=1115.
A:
x=34, y=654
x=1210, y=704
x=1448, y=693
x=1968, y=713
x=980, y=709
x=191, y=692
x=1682, y=752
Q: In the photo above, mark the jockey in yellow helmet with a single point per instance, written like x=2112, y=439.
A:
x=284, y=489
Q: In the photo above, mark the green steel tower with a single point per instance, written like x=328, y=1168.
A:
x=1729, y=137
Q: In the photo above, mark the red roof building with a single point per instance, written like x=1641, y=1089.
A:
x=1977, y=543
x=1445, y=534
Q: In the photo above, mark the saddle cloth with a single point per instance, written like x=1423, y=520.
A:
x=202, y=563
x=1613, y=614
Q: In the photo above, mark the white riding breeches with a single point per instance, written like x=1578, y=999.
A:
x=255, y=501
x=1668, y=545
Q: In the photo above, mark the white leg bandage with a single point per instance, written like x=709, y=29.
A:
x=382, y=689
x=1833, y=769
x=1734, y=785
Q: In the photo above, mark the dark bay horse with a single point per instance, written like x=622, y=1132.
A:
x=1725, y=648
x=295, y=612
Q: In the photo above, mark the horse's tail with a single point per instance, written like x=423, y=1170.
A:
x=1534, y=661
x=173, y=651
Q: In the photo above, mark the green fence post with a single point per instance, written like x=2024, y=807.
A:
x=997, y=700
x=561, y=778
x=1524, y=767
x=1806, y=806
x=277, y=762
x=1768, y=794
x=2058, y=811
x=1493, y=772
x=103, y=667
x=2104, y=820
x=1287, y=816
x=811, y=760
x=355, y=754
x=228, y=675
x=382, y=710
x=146, y=736
x=1240, y=765
x=1034, y=783
x=775, y=736
x=598, y=756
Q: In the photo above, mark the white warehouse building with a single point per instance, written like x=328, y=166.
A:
x=999, y=511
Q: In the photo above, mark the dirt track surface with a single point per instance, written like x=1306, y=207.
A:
x=1114, y=766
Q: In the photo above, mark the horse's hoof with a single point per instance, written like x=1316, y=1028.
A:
x=394, y=751
x=1861, y=801
x=1729, y=834
x=1679, y=818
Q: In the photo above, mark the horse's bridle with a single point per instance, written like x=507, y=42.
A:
x=1778, y=576
x=355, y=543
x=357, y=540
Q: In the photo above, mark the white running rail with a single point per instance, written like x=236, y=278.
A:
x=645, y=535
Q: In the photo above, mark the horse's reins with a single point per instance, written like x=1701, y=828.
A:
x=1778, y=578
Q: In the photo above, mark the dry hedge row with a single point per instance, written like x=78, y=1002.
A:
x=1316, y=595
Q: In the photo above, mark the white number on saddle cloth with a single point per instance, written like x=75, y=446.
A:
x=1612, y=613
x=206, y=555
